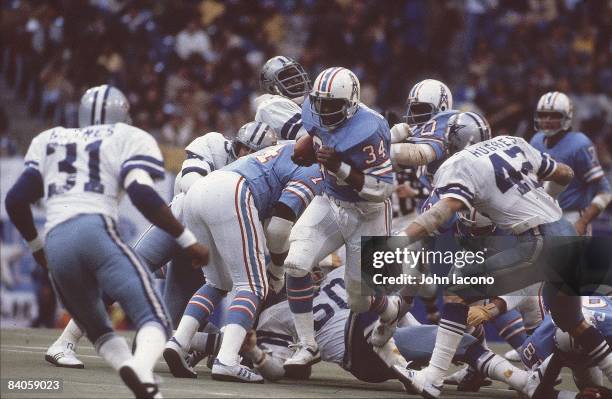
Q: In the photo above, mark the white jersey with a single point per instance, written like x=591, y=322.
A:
x=276, y=330
x=83, y=169
x=282, y=115
x=500, y=178
x=205, y=154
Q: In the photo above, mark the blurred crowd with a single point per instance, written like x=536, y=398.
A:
x=192, y=66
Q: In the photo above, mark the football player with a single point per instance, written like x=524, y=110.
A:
x=80, y=174
x=205, y=154
x=352, y=148
x=500, y=177
x=226, y=209
x=589, y=193
x=285, y=84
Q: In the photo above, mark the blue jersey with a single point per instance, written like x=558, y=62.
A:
x=273, y=177
x=433, y=132
x=363, y=141
x=577, y=151
x=597, y=311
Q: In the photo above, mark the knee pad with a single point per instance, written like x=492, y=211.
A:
x=299, y=260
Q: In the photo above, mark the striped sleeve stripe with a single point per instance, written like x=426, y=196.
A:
x=194, y=169
x=143, y=162
x=457, y=188
x=156, y=173
x=383, y=165
x=288, y=127
x=145, y=158
x=299, y=194
x=547, y=166
x=303, y=185
x=303, y=189
x=382, y=172
x=594, y=173
x=193, y=155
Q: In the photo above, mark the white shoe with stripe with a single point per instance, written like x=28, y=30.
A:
x=61, y=354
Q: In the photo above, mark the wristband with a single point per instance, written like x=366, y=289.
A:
x=186, y=239
x=36, y=244
x=344, y=171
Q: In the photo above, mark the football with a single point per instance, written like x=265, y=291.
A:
x=303, y=152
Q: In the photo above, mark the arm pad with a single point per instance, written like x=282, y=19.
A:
x=277, y=234
x=602, y=200
x=434, y=217
x=375, y=190
x=409, y=154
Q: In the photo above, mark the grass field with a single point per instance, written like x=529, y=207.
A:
x=22, y=355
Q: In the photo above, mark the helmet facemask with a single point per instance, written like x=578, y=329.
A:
x=550, y=122
x=419, y=113
x=331, y=111
x=292, y=81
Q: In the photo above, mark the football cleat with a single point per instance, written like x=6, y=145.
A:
x=237, y=373
x=141, y=389
x=467, y=380
x=417, y=382
x=512, y=355
x=304, y=356
x=61, y=354
x=177, y=360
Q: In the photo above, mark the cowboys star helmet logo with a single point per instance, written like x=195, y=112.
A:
x=443, y=105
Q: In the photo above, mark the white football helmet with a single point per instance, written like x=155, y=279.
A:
x=102, y=105
x=554, y=113
x=335, y=96
x=426, y=99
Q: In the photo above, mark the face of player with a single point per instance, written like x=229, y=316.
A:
x=242, y=150
x=330, y=110
x=419, y=113
x=294, y=81
x=549, y=121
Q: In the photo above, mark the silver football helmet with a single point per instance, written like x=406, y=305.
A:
x=102, y=105
x=284, y=76
x=254, y=136
x=464, y=129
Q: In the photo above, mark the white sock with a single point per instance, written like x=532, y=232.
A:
x=304, y=326
x=443, y=353
x=187, y=327
x=150, y=341
x=115, y=351
x=233, y=337
x=500, y=369
x=72, y=334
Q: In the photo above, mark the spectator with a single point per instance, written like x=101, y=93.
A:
x=193, y=41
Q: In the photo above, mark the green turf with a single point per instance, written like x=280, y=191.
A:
x=22, y=355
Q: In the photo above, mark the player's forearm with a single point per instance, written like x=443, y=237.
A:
x=428, y=222
x=368, y=187
x=562, y=175
x=26, y=191
x=270, y=367
x=411, y=154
